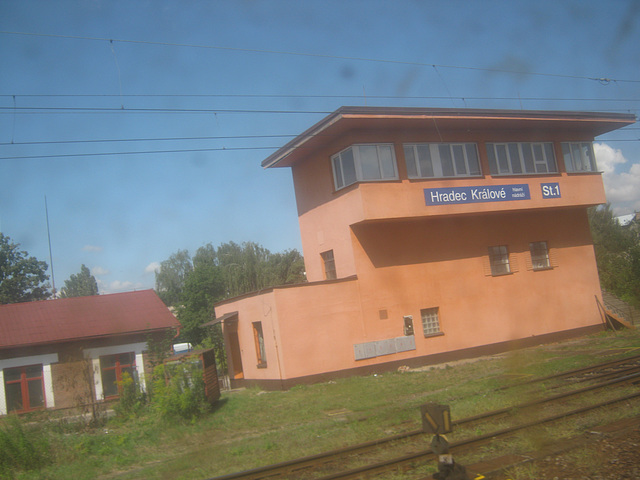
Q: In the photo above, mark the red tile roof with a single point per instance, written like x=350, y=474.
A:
x=52, y=321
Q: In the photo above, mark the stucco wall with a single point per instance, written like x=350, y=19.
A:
x=411, y=265
x=407, y=266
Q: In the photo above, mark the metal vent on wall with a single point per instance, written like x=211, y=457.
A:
x=380, y=348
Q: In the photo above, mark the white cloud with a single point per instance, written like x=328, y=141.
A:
x=92, y=248
x=99, y=271
x=119, y=286
x=623, y=188
x=153, y=267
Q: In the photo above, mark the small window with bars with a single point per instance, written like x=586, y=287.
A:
x=430, y=321
x=539, y=255
x=499, y=260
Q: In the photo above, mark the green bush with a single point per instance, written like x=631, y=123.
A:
x=21, y=448
x=132, y=400
x=178, y=391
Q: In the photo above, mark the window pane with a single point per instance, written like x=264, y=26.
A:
x=386, y=161
x=36, y=396
x=109, y=385
x=575, y=153
x=430, y=321
x=12, y=374
x=458, y=156
x=329, y=265
x=259, y=340
x=566, y=154
x=491, y=155
x=369, y=162
x=338, y=171
x=128, y=358
x=34, y=371
x=551, y=158
x=348, y=167
x=13, y=393
x=527, y=156
x=410, y=161
x=539, y=255
x=589, y=161
x=499, y=259
x=442, y=160
x=514, y=157
x=426, y=165
x=445, y=160
x=472, y=159
x=108, y=361
x=503, y=164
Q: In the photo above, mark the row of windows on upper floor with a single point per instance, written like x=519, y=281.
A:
x=370, y=162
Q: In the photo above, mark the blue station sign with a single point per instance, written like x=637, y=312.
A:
x=492, y=193
x=550, y=190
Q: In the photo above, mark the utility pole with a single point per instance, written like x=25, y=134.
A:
x=53, y=278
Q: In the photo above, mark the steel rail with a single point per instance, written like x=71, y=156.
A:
x=568, y=373
x=326, y=457
x=399, y=461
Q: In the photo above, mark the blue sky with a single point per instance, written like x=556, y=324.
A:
x=205, y=90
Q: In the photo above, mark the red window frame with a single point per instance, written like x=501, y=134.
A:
x=24, y=381
x=118, y=367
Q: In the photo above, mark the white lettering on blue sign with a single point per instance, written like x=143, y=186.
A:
x=550, y=190
x=491, y=193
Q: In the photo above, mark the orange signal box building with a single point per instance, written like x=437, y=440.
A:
x=428, y=235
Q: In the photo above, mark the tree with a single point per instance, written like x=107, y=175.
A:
x=82, y=284
x=250, y=267
x=203, y=287
x=171, y=277
x=22, y=278
x=195, y=286
x=617, y=251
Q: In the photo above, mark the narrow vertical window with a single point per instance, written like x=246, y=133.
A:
x=499, y=260
x=258, y=337
x=539, y=255
x=408, y=325
x=24, y=388
x=112, y=367
x=430, y=321
x=329, y=265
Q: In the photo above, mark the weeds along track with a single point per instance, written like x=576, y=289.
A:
x=613, y=384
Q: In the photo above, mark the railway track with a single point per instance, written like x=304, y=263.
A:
x=406, y=450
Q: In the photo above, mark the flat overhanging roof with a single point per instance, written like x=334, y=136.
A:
x=350, y=118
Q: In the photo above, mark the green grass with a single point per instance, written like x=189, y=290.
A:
x=249, y=428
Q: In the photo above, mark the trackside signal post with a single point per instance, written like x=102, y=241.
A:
x=436, y=419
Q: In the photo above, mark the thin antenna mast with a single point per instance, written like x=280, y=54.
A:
x=53, y=278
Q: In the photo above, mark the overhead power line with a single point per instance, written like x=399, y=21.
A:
x=186, y=150
x=147, y=152
x=210, y=111
x=603, y=80
x=304, y=96
x=150, y=110
x=168, y=139
x=178, y=139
